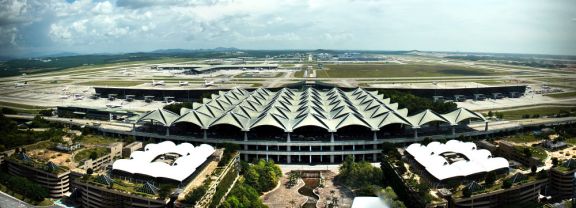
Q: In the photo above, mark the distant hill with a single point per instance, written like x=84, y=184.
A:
x=178, y=50
x=59, y=55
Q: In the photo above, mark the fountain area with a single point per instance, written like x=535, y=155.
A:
x=311, y=182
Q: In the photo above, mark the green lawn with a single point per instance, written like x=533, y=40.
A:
x=369, y=71
x=279, y=74
x=562, y=95
x=535, y=152
x=113, y=83
x=543, y=111
x=42, y=144
x=257, y=85
x=299, y=74
x=522, y=138
x=86, y=153
x=98, y=140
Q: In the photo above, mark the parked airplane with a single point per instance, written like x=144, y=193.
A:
x=86, y=90
x=183, y=83
x=20, y=84
x=122, y=72
x=63, y=96
x=129, y=73
x=78, y=97
x=209, y=83
x=175, y=73
x=154, y=83
x=65, y=89
x=115, y=106
x=170, y=102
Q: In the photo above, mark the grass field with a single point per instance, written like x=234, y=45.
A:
x=536, y=152
x=562, y=95
x=86, y=153
x=42, y=144
x=279, y=74
x=113, y=83
x=359, y=71
x=98, y=140
x=517, y=114
x=522, y=138
x=299, y=74
x=14, y=105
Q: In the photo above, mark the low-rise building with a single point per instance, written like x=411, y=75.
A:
x=503, y=197
x=49, y=175
x=114, y=150
x=561, y=179
x=129, y=149
x=508, y=150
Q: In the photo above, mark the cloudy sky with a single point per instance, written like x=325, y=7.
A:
x=96, y=26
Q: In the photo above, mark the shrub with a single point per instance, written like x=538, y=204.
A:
x=68, y=160
x=53, y=156
x=59, y=154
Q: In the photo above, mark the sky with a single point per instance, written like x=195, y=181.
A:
x=116, y=26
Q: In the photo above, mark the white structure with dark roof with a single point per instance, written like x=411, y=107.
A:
x=479, y=161
x=141, y=162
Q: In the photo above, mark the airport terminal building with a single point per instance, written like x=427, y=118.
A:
x=309, y=126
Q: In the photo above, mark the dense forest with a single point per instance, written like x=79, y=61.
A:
x=416, y=104
x=12, y=137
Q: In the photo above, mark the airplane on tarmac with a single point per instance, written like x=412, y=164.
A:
x=154, y=83
x=86, y=90
x=175, y=73
x=183, y=83
x=115, y=106
x=65, y=89
x=170, y=102
x=122, y=72
x=64, y=97
x=78, y=97
x=20, y=84
x=129, y=73
x=209, y=83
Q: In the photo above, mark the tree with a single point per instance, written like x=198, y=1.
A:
x=427, y=141
x=8, y=111
x=165, y=190
x=401, y=167
x=111, y=184
x=543, y=174
x=554, y=161
x=332, y=192
x=45, y=112
x=491, y=178
x=89, y=171
x=507, y=184
x=490, y=114
x=466, y=192
x=93, y=155
x=533, y=169
x=292, y=202
x=453, y=184
x=335, y=200
x=195, y=194
x=225, y=204
x=443, y=140
x=527, y=152
x=252, y=178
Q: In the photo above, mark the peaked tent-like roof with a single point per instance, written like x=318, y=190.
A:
x=288, y=109
x=474, y=186
x=51, y=164
x=148, y=188
x=518, y=177
x=569, y=162
x=23, y=157
x=104, y=179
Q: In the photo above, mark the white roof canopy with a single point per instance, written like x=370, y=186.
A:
x=479, y=161
x=140, y=162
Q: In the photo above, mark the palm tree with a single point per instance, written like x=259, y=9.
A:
x=335, y=200
x=332, y=192
x=343, y=197
x=292, y=202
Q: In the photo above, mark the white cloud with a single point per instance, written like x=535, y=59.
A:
x=144, y=25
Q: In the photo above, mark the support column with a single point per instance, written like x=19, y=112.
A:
x=331, y=158
x=320, y=158
x=331, y=136
x=246, y=157
x=289, y=159
x=342, y=158
x=245, y=147
x=375, y=146
x=310, y=158
x=310, y=148
x=205, y=135
x=245, y=136
x=299, y=158
x=168, y=131
x=375, y=136
x=331, y=148
x=486, y=128
x=288, y=148
x=375, y=157
x=266, y=156
x=134, y=127
x=353, y=147
x=415, y=133
x=277, y=158
x=453, y=130
x=288, y=139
